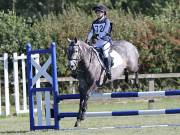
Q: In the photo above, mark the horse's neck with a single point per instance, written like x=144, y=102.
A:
x=90, y=68
x=85, y=55
x=89, y=56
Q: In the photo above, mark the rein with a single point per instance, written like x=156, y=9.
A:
x=97, y=54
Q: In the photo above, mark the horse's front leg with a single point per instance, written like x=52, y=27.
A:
x=86, y=97
x=84, y=107
x=77, y=124
x=82, y=110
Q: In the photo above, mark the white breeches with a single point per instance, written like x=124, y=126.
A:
x=105, y=45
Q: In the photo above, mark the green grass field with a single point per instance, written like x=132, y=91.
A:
x=103, y=125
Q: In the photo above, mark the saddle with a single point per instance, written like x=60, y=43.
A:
x=100, y=56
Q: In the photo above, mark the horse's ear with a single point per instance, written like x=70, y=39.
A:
x=69, y=40
x=75, y=40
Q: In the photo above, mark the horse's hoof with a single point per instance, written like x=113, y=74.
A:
x=77, y=124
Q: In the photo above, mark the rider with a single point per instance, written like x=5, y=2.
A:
x=101, y=29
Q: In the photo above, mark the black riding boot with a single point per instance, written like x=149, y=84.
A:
x=107, y=62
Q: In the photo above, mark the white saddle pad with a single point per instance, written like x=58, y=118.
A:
x=117, y=59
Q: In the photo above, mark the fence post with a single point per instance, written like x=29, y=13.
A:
x=151, y=88
x=16, y=83
x=24, y=83
x=6, y=84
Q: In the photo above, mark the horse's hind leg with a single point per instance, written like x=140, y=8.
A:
x=136, y=80
x=126, y=73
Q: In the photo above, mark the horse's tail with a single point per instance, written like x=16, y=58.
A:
x=137, y=52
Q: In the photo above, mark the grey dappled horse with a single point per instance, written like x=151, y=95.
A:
x=86, y=65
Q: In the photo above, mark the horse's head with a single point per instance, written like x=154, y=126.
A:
x=73, y=54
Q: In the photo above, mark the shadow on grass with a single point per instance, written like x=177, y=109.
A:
x=13, y=132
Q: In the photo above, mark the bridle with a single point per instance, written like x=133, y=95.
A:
x=74, y=53
x=73, y=47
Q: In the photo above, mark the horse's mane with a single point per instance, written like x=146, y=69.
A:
x=87, y=48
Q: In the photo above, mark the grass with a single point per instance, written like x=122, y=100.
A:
x=20, y=124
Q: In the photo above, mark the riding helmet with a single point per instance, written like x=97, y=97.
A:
x=101, y=8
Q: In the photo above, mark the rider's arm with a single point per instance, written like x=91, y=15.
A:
x=90, y=34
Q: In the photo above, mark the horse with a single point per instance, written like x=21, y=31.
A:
x=86, y=65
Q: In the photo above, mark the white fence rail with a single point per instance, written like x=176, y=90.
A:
x=20, y=89
x=21, y=105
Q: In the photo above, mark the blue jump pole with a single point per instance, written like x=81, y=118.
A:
x=122, y=113
x=124, y=94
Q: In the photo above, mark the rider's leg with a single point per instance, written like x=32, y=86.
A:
x=107, y=59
